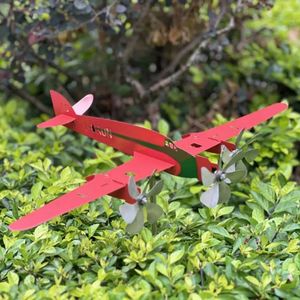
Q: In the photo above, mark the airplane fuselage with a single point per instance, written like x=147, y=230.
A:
x=129, y=138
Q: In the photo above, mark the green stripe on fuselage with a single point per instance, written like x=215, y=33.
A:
x=187, y=162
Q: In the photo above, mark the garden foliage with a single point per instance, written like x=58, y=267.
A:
x=247, y=248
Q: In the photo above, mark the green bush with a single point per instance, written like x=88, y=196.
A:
x=247, y=248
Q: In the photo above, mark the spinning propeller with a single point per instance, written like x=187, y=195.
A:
x=231, y=170
x=133, y=214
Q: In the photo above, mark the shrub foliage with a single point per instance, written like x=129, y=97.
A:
x=247, y=248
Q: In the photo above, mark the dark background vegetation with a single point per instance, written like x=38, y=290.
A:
x=180, y=60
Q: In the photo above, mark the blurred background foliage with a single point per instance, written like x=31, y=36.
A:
x=180, y=60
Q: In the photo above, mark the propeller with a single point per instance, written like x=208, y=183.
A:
x=133, y=214
x=231, y=169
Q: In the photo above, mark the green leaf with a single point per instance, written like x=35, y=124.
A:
x=219, y=230
x=4, y=287
x=225, y=211
x=154, y=212
x=289, y=203
x=253, y=280
x=13, y=278
x=92, y=229
x=291, y=227
x=11, y=107
x=260, y=200
x=266, y=280
x=197, y=74
x=41, y=232
x=238, y=242
x=36, y=190
x=293, y=246
x=194, y=296
x=177, y=272
x=163, y=127
x=162, y=268
x=258, y=215
x=285, y=206
x=293, y=196
x=266, y=191
x=65, y=174
x=176, y=256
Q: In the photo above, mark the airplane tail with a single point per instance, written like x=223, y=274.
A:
x=64, y=112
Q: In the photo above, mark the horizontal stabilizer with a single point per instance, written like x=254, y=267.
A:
x=57, y=120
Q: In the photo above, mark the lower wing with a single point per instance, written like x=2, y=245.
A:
x=99, y=185
x=196, y=143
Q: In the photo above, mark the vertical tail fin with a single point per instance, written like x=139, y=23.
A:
x=64, y=112
x=61, y=105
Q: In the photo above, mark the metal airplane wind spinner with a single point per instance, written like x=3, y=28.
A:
x=152, y=152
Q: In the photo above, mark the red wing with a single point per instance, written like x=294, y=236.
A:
x=101, y=184
x=202, y=141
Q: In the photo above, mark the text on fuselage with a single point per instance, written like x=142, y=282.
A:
x=105, y=132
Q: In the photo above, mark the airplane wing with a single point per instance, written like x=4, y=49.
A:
x=102, y=184
x=196, y=143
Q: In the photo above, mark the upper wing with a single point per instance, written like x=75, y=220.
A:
x=140, y=165
x=198, y=142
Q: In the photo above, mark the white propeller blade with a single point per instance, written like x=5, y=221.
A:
x=129, y=212
x=225, y=154
x=230, y=169
x=208, y=178
x=156, y=189
x=210, y=198
x=132, y=188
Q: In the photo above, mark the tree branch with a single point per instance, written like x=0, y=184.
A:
x=191, y=60
x=188, y=48
x=137, y=86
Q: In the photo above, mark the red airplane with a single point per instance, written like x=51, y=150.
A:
x=151, y=151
